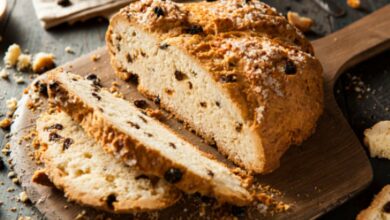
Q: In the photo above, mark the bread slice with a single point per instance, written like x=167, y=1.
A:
x=128, y=132
x=79, y=166
x=233, y=70
x=377, y=139
x=379, y=208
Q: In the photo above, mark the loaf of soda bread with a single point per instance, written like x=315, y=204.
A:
x=235, y=71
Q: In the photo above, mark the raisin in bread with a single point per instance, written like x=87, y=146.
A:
x=79, y=166
x=235, y=71
x=379, y=208
x=377, y=139
x=141, y=140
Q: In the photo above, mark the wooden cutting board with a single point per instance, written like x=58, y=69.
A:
x=322, y=173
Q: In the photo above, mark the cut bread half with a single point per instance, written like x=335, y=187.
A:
x=79, y=166
x=138, y=139
x=234, y=71
x=379, y=208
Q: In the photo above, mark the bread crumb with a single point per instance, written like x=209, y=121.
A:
x=43, y=62
x=155, y=113
x=377, y=139
x=4, y=74
x=5, y=123
x=11, y=174
x=24, y=62
x=12, y=55
x=19, y=79
x=10, y=189
x=353, y=3
x=23, y=197
x=24, y=218
x=15, y=180
x=12, y=104
x=68, y=49
x=302, y=23
x=41, y=178
x=5, y=152
x=81, y=215
x=95, y=57
x=13, y=209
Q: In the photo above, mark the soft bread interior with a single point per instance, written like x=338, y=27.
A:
x=88, y=175
x=153, y=135
x=186, y=89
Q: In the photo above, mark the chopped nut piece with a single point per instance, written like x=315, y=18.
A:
x=5, y=123
x=4, y=74
x=24, y=62
x=43, y=62
x=302, y=23
x=23, y=197
x=12, y=54
x=354, y=3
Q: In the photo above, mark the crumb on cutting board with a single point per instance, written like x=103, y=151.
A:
x=302, y=23
x=12, y=55
x=377, y=138
x=43, y=62
x=24, y=62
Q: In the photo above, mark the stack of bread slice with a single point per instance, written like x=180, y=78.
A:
x=235, y=71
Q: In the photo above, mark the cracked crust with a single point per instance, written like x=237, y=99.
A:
x=248, y=39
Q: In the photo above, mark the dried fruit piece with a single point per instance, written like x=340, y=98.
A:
x=173, y=175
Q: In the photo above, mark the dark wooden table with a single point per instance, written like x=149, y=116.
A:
x=362, y=110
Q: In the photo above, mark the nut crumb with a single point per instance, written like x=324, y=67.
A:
x=302, y=23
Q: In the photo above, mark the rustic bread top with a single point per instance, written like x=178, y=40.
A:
x=263, y=63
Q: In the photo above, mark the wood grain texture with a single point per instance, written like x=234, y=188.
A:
x=21, y=26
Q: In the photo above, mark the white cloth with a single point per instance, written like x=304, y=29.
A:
x=51, y=14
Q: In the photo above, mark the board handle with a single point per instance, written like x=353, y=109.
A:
x=354, y=43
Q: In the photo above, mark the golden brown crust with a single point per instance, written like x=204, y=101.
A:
x=53, y=175
x=129, y=149
x=279, y=87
